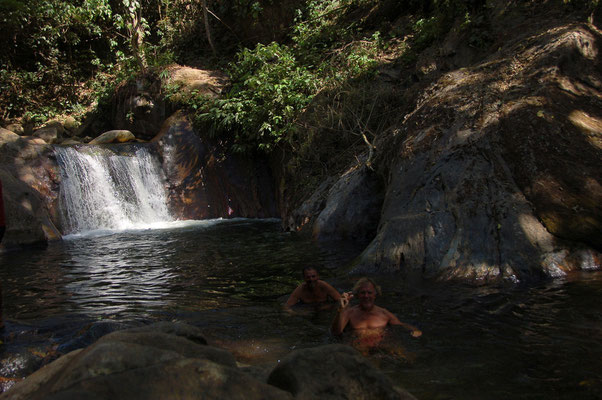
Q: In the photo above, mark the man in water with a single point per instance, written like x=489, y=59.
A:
x=313, y=291
x=366, y=320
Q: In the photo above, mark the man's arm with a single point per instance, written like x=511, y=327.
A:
x=294, y=298
x=340, y=321
x=341, y=318
x=330, y=291
x=393, y=320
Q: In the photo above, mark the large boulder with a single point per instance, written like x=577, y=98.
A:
x=138, y=107
x=16, y=128
x=496, y=171
x=114, y=136
x=157, y=362
x=141, y=106
x=171, y=360
x=206, y=181
x=344, y=209
x=193, y=81
x=49, y=134
x=333, y=372
x=493, y=172
x=70, y=124
x=27, y=221
x=352, y=209
x=29, y=179
x=302, y=218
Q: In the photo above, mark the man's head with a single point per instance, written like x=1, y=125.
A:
x=363, y=281
x=310, y=275
x=365, y=290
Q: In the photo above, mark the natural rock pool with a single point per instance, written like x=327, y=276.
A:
x=230, y=278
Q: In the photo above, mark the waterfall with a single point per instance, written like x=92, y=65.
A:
x=104, y=189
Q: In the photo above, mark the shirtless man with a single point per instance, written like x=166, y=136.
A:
x=313, y=290
x=367, y=320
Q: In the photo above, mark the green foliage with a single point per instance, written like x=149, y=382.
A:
x=60, y=55
x=269, y=90
x=316, y=30
x=362, y=57
x=358, y=59
x=274, y=83
x=244, y=8
x=65, y=54
x=180, y=26
x=50, y=49
x=426, y=31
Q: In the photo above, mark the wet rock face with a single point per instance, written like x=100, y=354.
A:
x=461, y=217
x=29, y=178
x=206, y=182
x=170, y=360
x=345, y=210
x=352, y=208
x=496, y=174
x=553, y=139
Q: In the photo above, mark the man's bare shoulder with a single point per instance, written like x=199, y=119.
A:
x=299, y=288
x=381, y=310
x=299, y=291
x=354, y=310
x=392, y=318
x=324, y=284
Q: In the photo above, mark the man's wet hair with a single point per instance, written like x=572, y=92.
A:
x=309, y=268
x=362, y=281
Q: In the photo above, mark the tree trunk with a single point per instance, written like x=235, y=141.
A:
x=207, y=30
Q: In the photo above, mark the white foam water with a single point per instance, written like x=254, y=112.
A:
x=105, y=190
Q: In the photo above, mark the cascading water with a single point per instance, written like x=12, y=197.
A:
x=102, y=189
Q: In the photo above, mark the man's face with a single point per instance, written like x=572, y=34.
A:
x=310, y=276
x=366, y=295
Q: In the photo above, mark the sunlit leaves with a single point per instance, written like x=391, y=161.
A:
x=269, y=89
x=50, y=46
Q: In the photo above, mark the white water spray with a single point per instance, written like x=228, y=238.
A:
x=103, y=190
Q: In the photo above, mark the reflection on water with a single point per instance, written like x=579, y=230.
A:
x=195, y=267
x=230, y=278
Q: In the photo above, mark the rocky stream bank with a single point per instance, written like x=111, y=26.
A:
x=169, y=360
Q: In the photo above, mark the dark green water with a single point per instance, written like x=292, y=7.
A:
x=230, y=278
